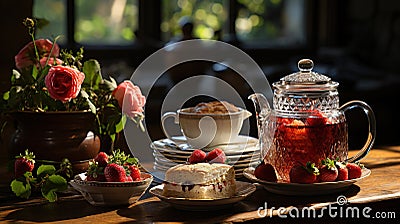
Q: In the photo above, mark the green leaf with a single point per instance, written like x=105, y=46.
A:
x=133, y=160
x=112, y=136
x=121, y=124
x=92, y=71
x=20, y=189
x=43, y=73
x=110, y=105
x=44, y=170
x=15, y=97
x=35, y=72
x=55, y=183
x=92, y=107
x=6, y=95
x=25, y=77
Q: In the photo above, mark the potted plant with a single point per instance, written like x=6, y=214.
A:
x=62, y=104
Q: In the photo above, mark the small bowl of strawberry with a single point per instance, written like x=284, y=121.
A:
x=112, y=180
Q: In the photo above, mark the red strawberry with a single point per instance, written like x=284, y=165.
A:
x=197, y=156
x=216, y=156
x=303, y=174
x=328, y=171
x=128, y=179
x=265, y=171
x=317, y=118
x=101, y=159
x=295, y=131
x=284, y=121
x=343, y=172
x=115, y=173
x=134, y=172
x=24, y=163
x=95, y=172
x=355, y=170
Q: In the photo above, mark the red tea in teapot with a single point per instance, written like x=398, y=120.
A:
x=306, y=122
x=310, y=139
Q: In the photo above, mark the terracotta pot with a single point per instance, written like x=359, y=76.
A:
x=57, y=135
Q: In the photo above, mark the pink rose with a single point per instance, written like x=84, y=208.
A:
x=64, y=83
x=130, y=98
x=52, y=61
x=26, y=56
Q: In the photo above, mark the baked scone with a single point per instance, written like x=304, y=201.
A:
x=215, y=107
x=200, y=181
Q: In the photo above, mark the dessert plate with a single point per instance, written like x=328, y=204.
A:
x=243, y=189
x=304, y=189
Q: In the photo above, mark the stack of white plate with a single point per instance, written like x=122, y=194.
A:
x=242, y=153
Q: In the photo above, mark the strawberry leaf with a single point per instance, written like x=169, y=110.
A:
x=55, y=183
x=20, y=189
x=311, y=168
x=329, y=163
x=133, y=161
x=44, y=170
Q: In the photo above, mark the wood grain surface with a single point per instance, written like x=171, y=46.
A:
x=381, y=190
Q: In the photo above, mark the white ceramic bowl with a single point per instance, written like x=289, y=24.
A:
x=207, y=130
x=111, y=193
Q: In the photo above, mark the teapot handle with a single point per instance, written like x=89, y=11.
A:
x=371, y=130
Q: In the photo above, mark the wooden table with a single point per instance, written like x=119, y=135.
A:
x=380, y=192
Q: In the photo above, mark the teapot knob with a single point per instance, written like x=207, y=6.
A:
x=305, y=65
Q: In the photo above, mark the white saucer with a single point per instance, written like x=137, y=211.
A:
x=243, y=189
x=238, y=139
x=304, y=189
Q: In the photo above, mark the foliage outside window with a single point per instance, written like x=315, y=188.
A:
x=278, y=21
x=114, y=22
x=56, y=13
x=106, y=21
x=208, y=16
x=97, y=22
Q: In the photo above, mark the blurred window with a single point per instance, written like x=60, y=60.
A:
x=106, y=21
x=208, y=16
x=97, y=22
x=256, y=23
x=55, y=12
x=271, y=22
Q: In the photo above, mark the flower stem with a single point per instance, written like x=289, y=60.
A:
x=48, y=59
x=31, y=24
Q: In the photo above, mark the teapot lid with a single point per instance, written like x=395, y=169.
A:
x=305, y=90
x=306, y=79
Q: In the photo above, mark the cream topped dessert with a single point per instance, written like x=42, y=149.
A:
x=200, y=181
x=215, y=107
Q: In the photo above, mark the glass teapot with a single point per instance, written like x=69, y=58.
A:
x=306, y=122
